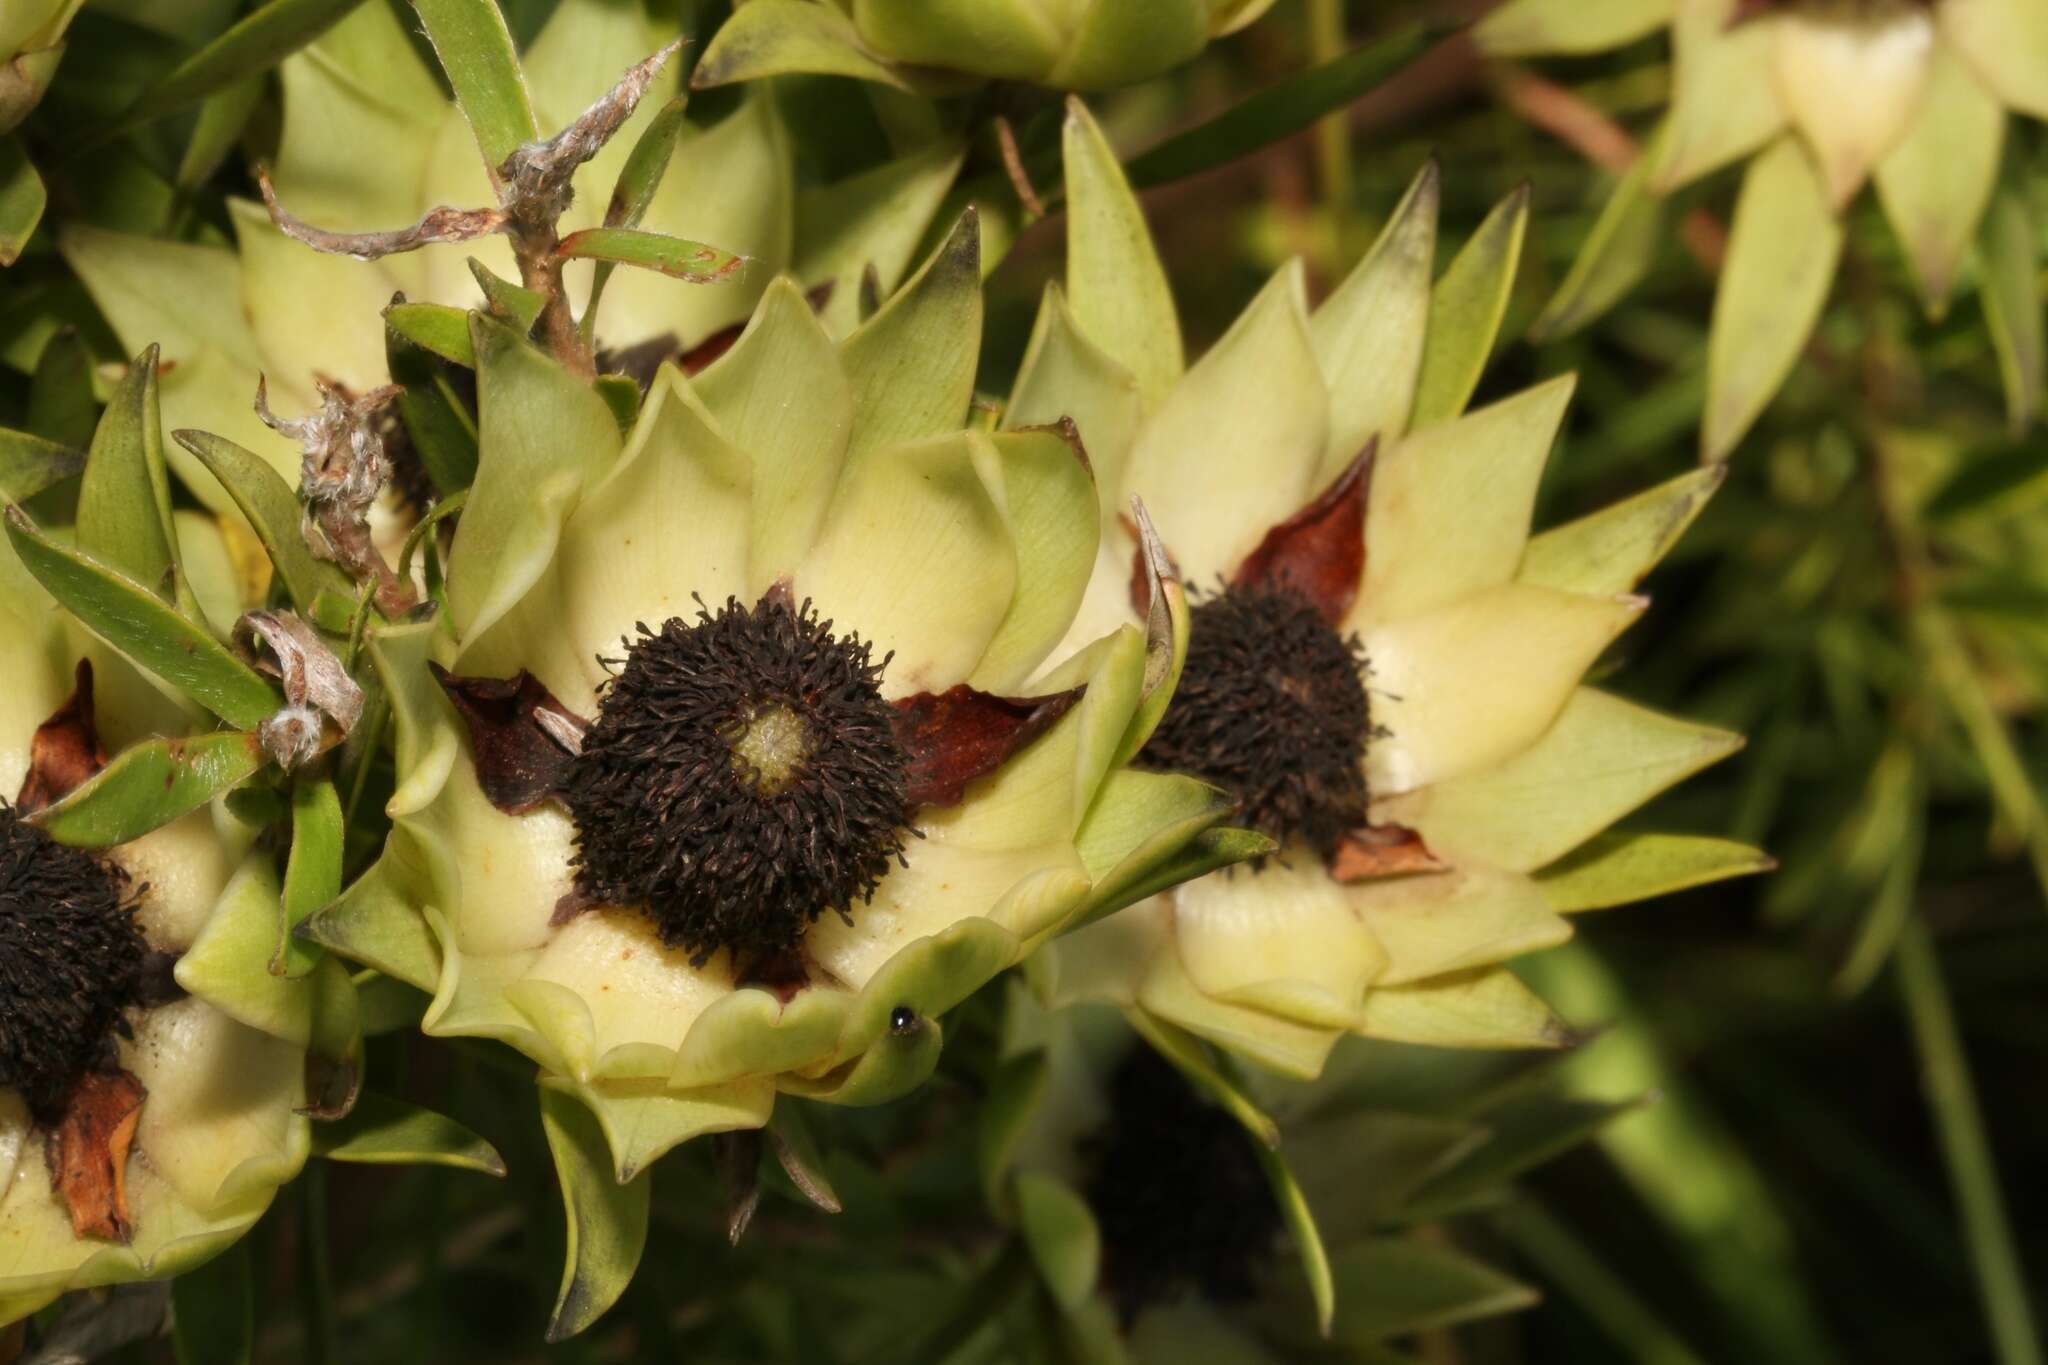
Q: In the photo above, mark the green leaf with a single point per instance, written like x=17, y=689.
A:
x=1301, y=1228
x=1616, y=254
x=273, y=511
x=62, y=406
x=911, y=365
x=1062, y=1236
x=150, y=784
x=1616, y=868
x=29, y=464
x=214, y=1317
x=222, y=117
x=382, y=1131
x=254, y=45
x=675, y=257
x=1525, y=1135
x=1392, y=1286
x=1466, y=309
x=607, y=1220
x=434, y=327
x=145, y=628
x=796, y=1151
x=1527, y=28
x=1782, y=252
x=508, y=302
x=22, y=200
x=1006, y=1113
x=2012, y=304
x=621, y=393
x=1116, y=285
x=124, y=499
x=1193, y=1060
x=312, y=874
x=1612, y=550
x=1277, y=112
x=638, y=181
x=441, y=424
x=1936, y=182
x=475, y=48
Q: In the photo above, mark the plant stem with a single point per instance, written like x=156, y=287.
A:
x=1333, y=133
x=1945, y=1074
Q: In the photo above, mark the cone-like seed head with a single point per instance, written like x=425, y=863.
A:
x=70, y=952
x=1272, y=707
x=742, y=778
x=1177, y=1191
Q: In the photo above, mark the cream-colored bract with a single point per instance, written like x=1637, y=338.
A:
x=1476, y=636
x=225, y=1067
x=841, y=470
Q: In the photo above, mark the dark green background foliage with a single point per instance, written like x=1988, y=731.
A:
x=1866, y=598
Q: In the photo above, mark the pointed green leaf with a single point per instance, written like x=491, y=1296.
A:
x=1524, y=1136
x=1048, y=503
x=1115, y=282
x=62, y=406
x=796, y=1151
x=1064, y=374
x=1466, y=309
x=312, y=874
x=1301, y=1229
x=875, y=220
x=22, y=200
x=1192, y=1058
x=213, y=1321
x=911, y=365
x=124, y=499
x=222, y=118
x=145, y=628
x=475, y=48
x=439, y=421
x=259, y=41
x=1611, y=550
x=635, y=190
x=789, y=37
x=150, y=784
x=1487, y=1007
x=1285, y=108
x=1616, y=254
x=672, y=256
x=1724, y=92
x=376, y=922
x=272, y=510
x=1392, y=1286
x=434, y=327
x=1782, y=251
x=607, y=1220
x=2006, y=42
x=29, y=465
x=1061, y=1233
x=2012, y=305
x=508, y=302
x=1616, y=868
x=382, y=1131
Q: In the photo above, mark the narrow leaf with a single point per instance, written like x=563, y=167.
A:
x=1617, y=868
x=382, y=1131
x=22, y=200
x=2012, y=305
x=150, y=784
x=29, y=464
x=509, y=302
x=607, y=1220
x=1301, y=1228
x=312, y=874
x=634, y=192
x=145, y=628
x=1062, y=1235
x=1115, y=282
x=254, y=45
x=272, y=510
x=434, y=327
x=676, y=257
x=124, y=499
x=475, y=48
x=1275, y=112
x=438, y=419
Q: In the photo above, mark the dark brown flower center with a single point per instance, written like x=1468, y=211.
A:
x=743, y=777
x=1272, y=707
x=70, y=961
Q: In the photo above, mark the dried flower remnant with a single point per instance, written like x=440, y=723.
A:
x=342, y=469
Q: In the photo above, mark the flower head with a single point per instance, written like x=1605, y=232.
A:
x=922, y=45
x=1384, y=668
x=734, y=777
x=1820, y=96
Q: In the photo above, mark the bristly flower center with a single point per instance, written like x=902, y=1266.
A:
x=1177, y=1191
x=1272, y=707
x=70, y=958
x=742, y=778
